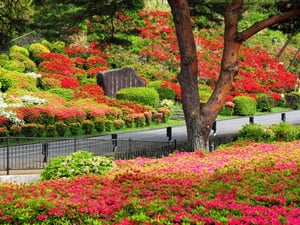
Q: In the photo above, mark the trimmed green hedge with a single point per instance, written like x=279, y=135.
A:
x=244, y=106
x=142, y=95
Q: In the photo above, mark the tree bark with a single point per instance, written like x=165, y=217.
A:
x=285, y=46
x=199, y=122
x=188, y=72
x=293, y=60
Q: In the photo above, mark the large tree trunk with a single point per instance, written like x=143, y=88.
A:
x=188, y=73
x=229, y=68
x=199, y=123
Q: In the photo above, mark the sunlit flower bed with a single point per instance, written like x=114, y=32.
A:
x=243, y=184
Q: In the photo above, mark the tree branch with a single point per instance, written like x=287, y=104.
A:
x=246, y=34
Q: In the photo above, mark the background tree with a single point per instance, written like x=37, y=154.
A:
x=14, y=14
x=199, y=121
x=55, y=18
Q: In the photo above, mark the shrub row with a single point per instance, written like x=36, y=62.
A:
x=245, y=105
x=277, y=132
x=98, y=124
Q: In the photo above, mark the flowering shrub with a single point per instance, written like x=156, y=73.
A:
x=88, y=126
x=15, y=130
x=32, y=130
x=3, y=132
x=129, y=120
x=61, y=128
x=69, y=82
x=119, y=124
x=247, y=183
x=78, y=163
x=51, y=130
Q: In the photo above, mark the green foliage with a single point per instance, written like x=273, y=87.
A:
x=244, y=106
x=256, y=132
x=67, y=94
x=61, y=128
x=14, y=65
x=142, y=95
x=88, y=126
x=119, y=124
x=265, y=103
x=35, y=51
x=99, y=124
x=14, y=15
x=76, y=164
x=293, y=100
x=15, y=130
x=50, y=83
x=56, y=46
x=140, y=120
x=285, y=132
x=3, y=132
x=74, y=128
x=19, y=50
x=164, y=93
x=51, y=131
x=32, y=130
x=204, y=92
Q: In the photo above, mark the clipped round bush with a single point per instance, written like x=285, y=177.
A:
x=14, y=65
x=142, y=95
x=19, y=50
x=256, y=132
x=265, y=103
x=35, y=51
x=78, y=163
x=244, y=106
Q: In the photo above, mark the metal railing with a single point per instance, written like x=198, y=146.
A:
x=20, y=153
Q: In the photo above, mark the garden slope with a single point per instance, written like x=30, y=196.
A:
x=250, y=184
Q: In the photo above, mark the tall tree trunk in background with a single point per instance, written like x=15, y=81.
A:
x=285, y=45
x=199, y=122
x=293, y=60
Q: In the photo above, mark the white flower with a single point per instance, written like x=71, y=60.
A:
x=30, y=100
x=34, y=75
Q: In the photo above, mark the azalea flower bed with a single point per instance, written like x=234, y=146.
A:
x=247, y=183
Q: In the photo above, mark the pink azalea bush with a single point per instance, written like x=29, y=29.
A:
x=247, y=183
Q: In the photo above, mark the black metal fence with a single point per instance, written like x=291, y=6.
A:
x=34, y=153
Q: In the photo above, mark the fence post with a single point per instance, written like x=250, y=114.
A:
x=175, y=144
x=214, y=128
x=251, y=119
x=7, y=156
x=169, y=133
x=114, y=141
x=283, y=117
x=75, y=144
x=129, y=144
x=45, y=151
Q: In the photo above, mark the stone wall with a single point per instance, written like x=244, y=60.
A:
x=113, y=80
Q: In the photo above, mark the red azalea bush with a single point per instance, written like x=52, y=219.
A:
x=69, y=82
x=248, y=183
x=93, y=91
